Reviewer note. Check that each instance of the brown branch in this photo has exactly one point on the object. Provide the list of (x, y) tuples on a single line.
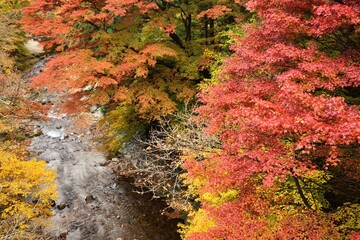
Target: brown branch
[(93, 24), (176, 39), (301, 193)]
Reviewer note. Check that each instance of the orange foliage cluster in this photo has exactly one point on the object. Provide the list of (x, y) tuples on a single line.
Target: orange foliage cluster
[(103, 54)]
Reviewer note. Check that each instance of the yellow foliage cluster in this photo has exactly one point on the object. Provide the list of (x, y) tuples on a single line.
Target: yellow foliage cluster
[(348, 217), (27, 189), (311, 185), (11, 37), (5, 127), (198, 221), (217, 199)]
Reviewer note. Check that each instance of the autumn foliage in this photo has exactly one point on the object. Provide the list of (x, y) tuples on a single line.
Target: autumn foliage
[(286, 109), (11, 37), (285, 104), (143, 56), (25, 197), (27, 187), (103, 50)]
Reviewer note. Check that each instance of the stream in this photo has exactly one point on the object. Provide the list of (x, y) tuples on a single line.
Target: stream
[(93, 203)]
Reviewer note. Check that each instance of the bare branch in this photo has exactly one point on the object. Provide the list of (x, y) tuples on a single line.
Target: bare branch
[(156, 164)]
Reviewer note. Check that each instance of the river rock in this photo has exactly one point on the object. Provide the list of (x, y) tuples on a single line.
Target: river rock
[(62, 206), (63, 235), (98, 113), (34, 47), (55, 133), (45, 101), (94, 108), (37, 132), (50, 154), (52, 203), (88, 87), (89, 199)]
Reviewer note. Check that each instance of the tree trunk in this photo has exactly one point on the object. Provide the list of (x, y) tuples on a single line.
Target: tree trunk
[(206, 28), (301, 193), (188, 27)]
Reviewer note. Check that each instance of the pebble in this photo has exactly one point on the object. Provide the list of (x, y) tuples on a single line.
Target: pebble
[(89, 199), (62, 206)]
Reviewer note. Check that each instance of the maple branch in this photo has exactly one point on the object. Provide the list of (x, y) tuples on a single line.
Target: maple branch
[(176, 39), (163, 5), (332, 189), (94, 5), (93, 24), (187, 20), (168, 64), (132, 48), (301, 193), (187, 23)]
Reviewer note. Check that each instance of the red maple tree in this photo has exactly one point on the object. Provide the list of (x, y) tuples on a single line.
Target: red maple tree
[(286, 106)]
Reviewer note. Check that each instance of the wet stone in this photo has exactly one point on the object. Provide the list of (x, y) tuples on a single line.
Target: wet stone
[(63, 235), (54, 133), (52, 203), (89, 199), (37, 132), (62, 206)]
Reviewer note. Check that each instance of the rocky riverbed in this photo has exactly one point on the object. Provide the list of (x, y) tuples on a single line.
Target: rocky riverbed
[(93, 203)]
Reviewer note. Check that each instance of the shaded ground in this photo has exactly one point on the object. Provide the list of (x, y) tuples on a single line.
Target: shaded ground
[(93, 203)]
